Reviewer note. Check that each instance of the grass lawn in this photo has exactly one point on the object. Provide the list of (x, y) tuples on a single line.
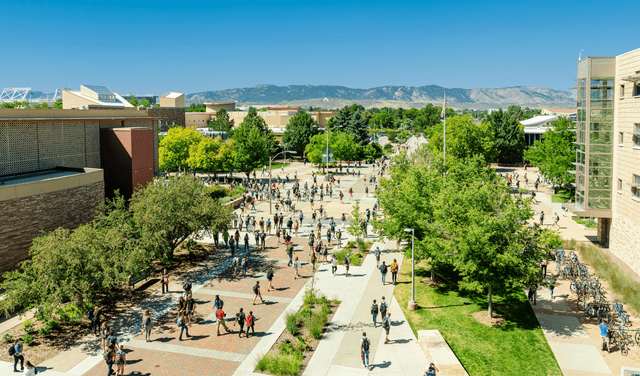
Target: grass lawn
[(563, 195), (586, 222), (517, 348), (278, 165)]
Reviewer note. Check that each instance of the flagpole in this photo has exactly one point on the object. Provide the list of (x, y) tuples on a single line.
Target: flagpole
[(444, 111)]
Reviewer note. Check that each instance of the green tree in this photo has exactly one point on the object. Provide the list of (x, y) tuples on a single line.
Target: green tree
[(382, 120), (427, 118), (554, 156), (352, 120), (250, 147), (196, 107), (509, 136), (465, 139), (42, 105), (300, 129), (58, 104), (174, 148), (253, 119), (221, 122), (211, 154), (134, 101), (168, 214), (357, 222)]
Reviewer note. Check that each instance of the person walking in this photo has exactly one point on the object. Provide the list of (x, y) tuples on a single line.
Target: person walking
[(240, 319), (164, 281), (251, 322), (296, 266), (295, 227), (263, 239), (235, 264), (386, 325), (394, 272), (339, 238), (225, 236), (191, 309), (365, 343), (346, 261), (147, 325), (120, 360), (244, 263), (109, 355), (289, 253), (186, 286), (104, 334), (334, 265), (606, 338), (383, 272), (383, 308), (431, 370), (217, 303), (256, 291), (182, 323), (17, 355), (552, 284), (220, 315), (246, 242), (374, 312), (95, 321), (350, 193), (270, 279), (377, 253)]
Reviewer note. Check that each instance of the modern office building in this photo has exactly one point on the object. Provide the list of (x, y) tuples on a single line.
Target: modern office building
[(608, 150)]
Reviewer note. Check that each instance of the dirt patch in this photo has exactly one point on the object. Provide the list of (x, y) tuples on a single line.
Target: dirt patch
[(495, 321), (45, 347), (435, 283)]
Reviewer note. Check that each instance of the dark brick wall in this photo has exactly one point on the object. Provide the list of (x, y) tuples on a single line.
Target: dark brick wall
[(22, 219), (171, 115)]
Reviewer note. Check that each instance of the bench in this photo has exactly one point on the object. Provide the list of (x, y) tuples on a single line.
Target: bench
[(143, 275)]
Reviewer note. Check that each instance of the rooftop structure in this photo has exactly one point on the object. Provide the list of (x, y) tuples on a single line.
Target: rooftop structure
[(172, 99), (92, 96)]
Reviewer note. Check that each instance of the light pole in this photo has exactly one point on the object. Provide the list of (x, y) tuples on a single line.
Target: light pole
[(284, 152), (412, 304)]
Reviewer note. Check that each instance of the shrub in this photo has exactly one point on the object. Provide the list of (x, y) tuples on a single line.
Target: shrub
[(45, 331), (28, 326), (52, 325), (292, 323), (28, 338), (281, 364), (7, 338)]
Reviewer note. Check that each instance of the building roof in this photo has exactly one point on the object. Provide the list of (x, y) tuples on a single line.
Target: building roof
[(118, 102), (284, 108), (538, 121), (172, 94), (218, 103)]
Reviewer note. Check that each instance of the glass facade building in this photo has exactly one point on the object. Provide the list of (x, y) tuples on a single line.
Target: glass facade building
[(594, 133)]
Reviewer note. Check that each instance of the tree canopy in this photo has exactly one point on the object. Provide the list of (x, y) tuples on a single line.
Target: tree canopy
[(300, 129), (250, 147), (174, 148), (508, 134), (221, 122), (465, 139), (554, 156)]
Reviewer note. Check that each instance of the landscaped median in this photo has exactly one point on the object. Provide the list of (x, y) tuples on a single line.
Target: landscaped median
[(512, 344)]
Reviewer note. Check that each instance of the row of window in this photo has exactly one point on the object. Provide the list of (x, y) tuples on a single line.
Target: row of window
[(635, 137), (635, 187), (635, 90)]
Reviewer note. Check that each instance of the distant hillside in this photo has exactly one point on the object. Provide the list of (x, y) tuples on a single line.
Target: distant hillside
[(271, 94)]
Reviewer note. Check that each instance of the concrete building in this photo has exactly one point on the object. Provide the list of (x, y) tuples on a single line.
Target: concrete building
[(561, 112), (92, 96), (56, 166), (152, 99), (535, 127), (608, 148), (172, 99)]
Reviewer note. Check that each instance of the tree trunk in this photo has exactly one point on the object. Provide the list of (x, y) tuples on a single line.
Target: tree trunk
[(490, 306), (433, 273)]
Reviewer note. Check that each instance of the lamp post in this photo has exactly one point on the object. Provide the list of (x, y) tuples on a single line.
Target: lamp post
[(284, 152), (412, 304)]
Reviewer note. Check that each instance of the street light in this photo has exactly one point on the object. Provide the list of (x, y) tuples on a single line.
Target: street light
[(271, 159), (412, 304)]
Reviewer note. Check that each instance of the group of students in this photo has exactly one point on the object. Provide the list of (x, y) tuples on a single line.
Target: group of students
[(113, 352), (15, 350), (241, 319)]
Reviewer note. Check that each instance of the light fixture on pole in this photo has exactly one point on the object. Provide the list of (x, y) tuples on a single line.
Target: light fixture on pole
[(412, 304)]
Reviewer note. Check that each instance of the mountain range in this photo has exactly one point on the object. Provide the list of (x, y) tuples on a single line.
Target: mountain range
[(456, 97)]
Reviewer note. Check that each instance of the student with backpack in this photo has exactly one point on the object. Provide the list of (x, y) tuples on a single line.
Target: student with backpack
[(147, 325), (256, 291), (182, 324), (191, 309), (334, 265), (383, 272), (251, 321), (296, 266), (383, 308), (365, 343), (374, 312), (109, 355), (246, 242), (244, 263), (270, 279), (120, 360), (386, 325), (220, 315), (394, 272), (94, 320), (112, 339), (104, 333), (240, 319), (431, 370), (16, 351), (346, 262), (186, 286), (289, 253)]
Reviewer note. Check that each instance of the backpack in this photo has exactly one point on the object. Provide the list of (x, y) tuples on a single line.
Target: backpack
[(383, 268), (255, 289), (240, 317), (12, 350), (249, 320), (270, 274), (383, 308), (186, 286), (220, 314), (243, 263), (107, 356), (374, 309), (180, 321), (119, 357), (147, 321), (385, 323), (365, 344)]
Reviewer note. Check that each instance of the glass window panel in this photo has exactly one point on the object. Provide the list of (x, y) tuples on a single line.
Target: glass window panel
[(600, 183), (603, 138), (637, 128), (600, 171), (601, 115), (601, 148), (636, 179), (601, 93), (601, 104), (582, 125), (600, 160), (599, 203), (601, 126), (599, 194)]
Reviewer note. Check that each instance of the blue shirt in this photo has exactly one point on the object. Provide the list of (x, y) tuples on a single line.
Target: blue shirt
[(18, 347), (604, 330)]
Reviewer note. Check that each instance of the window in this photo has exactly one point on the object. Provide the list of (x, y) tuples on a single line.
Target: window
[(635, 187), (636, 136), (619, 185), (621, 139), (636, 90), (621, 91)]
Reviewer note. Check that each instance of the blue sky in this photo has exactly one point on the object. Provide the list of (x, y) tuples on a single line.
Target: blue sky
[(155, 47)]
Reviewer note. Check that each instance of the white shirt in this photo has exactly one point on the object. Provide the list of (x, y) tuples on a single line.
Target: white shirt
[(297, 265), (29, 371), (334, 262)]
